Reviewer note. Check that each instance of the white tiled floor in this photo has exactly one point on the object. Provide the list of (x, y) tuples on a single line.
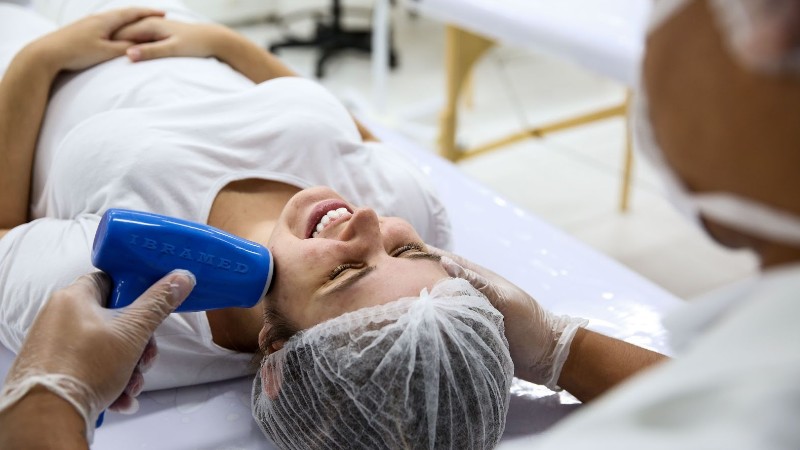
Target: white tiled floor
[(570, 179)]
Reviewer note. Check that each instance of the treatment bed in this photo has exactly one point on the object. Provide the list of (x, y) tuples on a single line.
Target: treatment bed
[(603, 37), (565, 275)]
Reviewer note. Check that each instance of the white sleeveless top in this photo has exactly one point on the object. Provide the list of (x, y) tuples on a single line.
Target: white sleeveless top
[(166, 136)]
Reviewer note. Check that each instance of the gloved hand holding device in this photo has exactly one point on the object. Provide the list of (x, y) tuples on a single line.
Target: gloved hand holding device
[(90, 356), (539, 341)]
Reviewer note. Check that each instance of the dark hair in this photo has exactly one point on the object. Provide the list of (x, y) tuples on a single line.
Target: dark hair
[(281, 329)]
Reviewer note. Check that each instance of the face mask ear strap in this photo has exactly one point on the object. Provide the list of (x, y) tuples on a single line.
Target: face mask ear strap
[(734, 211), (750, 217)]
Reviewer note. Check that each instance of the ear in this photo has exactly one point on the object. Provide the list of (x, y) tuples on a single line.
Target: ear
[(271, 380), (271, 374), (277, 345)]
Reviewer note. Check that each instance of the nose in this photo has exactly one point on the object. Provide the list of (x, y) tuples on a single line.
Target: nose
[(363, 230)]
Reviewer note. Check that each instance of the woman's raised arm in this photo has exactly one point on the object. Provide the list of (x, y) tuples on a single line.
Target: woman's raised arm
[(24, 91), (161, 38), (23, 97)]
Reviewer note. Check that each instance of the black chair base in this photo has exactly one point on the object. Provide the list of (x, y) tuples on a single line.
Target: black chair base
[(332, 39)]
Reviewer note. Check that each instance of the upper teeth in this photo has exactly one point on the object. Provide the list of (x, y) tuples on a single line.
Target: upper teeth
[(329, 217)]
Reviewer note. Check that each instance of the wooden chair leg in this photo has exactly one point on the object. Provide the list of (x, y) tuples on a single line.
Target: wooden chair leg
[(463, 50)]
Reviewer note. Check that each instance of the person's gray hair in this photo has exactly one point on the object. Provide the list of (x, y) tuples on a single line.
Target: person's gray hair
[(425, 372)]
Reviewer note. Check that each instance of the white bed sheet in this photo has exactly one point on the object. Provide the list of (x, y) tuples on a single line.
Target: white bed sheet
[(564, 274)]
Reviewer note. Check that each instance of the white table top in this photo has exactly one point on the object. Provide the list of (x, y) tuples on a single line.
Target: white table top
[(561, 272), (604, 36)]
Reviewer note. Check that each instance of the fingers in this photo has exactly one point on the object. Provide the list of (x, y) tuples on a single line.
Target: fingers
[(135, 384), (455, 259), (437, 251), (151, 308), (125, 404), (121, 17), (116, 48), (477, 280), (95, 286), (149, 355), (456, 270), (144, 52), (451, 267), (146, 30)]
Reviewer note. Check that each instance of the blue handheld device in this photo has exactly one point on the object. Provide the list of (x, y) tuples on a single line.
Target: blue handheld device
[(137, 248)]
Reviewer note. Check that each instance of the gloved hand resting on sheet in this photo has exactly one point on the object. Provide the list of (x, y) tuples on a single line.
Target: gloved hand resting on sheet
[(90, 356), (538, 340)]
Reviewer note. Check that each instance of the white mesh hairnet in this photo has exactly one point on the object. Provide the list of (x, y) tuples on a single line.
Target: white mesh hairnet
[(423, 372)]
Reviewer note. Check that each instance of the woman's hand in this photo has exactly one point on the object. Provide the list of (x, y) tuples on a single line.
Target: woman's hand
[(157, 37), (160, 38), (88, 42), (88, 355)]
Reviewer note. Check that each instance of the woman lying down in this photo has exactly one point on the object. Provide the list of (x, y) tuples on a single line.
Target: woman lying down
[(363, 341)]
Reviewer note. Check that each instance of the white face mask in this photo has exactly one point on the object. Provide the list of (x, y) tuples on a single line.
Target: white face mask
[(725, 208)]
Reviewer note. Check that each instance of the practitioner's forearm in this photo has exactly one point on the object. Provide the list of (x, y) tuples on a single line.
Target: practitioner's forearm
[(24, 91), (596, 363), (42, 420)]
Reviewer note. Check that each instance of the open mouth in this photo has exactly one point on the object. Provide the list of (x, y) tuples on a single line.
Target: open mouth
[(325, 214)]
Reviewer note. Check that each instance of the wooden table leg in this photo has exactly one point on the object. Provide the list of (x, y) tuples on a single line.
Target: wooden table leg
[(627, 167), (463, 49)]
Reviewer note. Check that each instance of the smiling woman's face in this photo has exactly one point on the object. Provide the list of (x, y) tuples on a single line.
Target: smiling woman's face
[(355, 260)]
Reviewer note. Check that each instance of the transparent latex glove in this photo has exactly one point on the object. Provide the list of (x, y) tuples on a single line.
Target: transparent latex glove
[(538, 340), (90, 356)]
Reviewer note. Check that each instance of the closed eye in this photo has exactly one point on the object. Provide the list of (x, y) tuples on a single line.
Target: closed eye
[(407, 248), (360, 271), (341, 268), (414, 250)]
